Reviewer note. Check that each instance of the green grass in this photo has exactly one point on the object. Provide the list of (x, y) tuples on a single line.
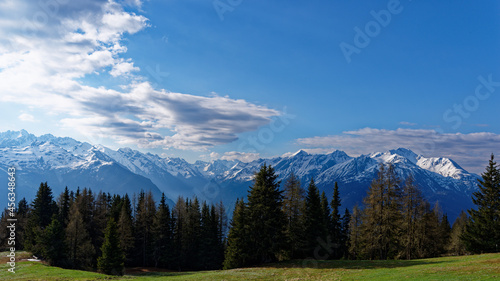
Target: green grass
[(475, 267)]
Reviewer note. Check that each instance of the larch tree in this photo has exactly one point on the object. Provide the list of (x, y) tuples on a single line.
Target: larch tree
[(293, 204)]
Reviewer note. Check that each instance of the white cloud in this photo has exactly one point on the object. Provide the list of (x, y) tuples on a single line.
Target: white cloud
[(472, 150), (241, 156), (27, 117), (43, 64), (407, 123)]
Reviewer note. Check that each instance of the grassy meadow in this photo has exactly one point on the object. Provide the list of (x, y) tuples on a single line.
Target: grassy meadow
[(474, 267)]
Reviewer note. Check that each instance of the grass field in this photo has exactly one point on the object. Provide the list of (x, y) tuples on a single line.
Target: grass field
[(476, 267)]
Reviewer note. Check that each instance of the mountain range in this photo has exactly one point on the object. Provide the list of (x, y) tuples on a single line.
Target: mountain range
[(68, 162)]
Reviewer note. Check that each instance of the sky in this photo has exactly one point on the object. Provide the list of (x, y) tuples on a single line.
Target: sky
[(239, 79)]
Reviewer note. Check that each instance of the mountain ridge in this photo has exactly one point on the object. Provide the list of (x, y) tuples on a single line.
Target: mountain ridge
[(66, 159)]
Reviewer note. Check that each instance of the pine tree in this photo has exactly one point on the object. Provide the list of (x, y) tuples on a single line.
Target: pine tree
[(293, 204), (482, 233), (456, 245), (112, 259), (266, 218), (238, 246), (336, 225)]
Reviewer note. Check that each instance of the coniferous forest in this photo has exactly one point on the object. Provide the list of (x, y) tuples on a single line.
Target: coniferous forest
[(277, 221)]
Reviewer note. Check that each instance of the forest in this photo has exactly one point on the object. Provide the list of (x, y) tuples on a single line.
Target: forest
[(276, 222)]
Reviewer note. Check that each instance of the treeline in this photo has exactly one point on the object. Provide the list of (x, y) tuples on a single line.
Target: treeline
[(394, 222), (106, 232)]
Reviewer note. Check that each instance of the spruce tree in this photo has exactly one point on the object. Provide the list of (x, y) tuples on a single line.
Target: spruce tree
[(344, 234), (482, 233), (52, 245), (336, 225), (315, 228), (163, 235), (266, 218), (112, 259), (125, 229), (238, 245), (43, 208), (64, 203)]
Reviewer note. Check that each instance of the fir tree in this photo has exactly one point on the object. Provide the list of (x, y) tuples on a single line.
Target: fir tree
[(482, 233), (112, 259)]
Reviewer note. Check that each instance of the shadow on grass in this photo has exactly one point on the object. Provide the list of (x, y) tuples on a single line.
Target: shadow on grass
[(350, 264), (152, 271)]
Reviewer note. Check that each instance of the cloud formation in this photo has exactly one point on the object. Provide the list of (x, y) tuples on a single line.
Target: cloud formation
[(472, 151), (45, 60)]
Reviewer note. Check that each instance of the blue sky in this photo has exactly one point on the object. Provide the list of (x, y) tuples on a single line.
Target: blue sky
[(237, 79)]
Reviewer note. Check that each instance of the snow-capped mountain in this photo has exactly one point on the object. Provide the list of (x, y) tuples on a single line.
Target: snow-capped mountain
[(67, 162)]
